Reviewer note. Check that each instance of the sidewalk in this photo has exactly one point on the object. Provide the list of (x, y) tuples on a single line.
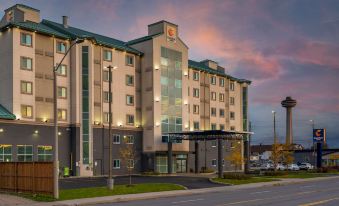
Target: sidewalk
[(6, 199), (153, 195)]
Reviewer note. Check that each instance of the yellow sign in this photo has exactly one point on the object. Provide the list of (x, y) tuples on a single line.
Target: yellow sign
[(171, 33)]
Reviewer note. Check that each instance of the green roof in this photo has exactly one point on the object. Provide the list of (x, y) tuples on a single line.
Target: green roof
[(100, 39), (36, 27), (142, 39), (202, 67), (5, 114)]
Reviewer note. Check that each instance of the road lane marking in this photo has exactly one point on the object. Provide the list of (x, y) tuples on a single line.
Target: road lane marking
[(306, 186), (319, 202), (260, 192), (245, 201), (185, 201)]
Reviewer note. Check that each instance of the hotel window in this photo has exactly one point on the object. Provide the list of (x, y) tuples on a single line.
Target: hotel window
[(213, 96), (195, 92), (129, 139), (130, 100), (214, 143), (196, 76), (61, 47), (213, 126), (26, 39), (5, 153), (106, 97), (221, 82), (129, 60), (231, 100), (26, 87), (26, 111), (188, 91), (130, 163), (196, 125), (62, 92), (129, 80), (116, 164), (213, 111), (221, 97), (130, 119), (106, 117), (116, 139), (62, 114), (221, 112), (213, 80), (25, 153), (44, 153), (164, 61), (222, 127), (195, 109), (232, 86), (214, 162), (232, 128), (232, 115), (62, 70), (107, 55), (105, 76), (26, 63)]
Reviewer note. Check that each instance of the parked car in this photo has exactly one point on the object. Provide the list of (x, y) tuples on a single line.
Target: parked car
[(293, 167), (306, 166), (267, 166), (280, 167)]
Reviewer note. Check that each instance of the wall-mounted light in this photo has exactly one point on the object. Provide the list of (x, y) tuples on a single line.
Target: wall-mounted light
[(59, 133), (156, 67), (45, 120), (185, 102), (1, 130), (119, 124), (186, 126), (96, 122), (157, 124), (185, 73), (157, 99), (36, 132)]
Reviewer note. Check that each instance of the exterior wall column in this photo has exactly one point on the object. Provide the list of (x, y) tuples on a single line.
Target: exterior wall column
[(169, 157), (196, 143), (220, 157)]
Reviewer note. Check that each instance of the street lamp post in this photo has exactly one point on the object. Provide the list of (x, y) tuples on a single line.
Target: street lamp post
[(55, 110), (274, 128)]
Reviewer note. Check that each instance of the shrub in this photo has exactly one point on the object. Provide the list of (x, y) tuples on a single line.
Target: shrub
[(275, 173), (149, 173), (206, 170), (236, 176)]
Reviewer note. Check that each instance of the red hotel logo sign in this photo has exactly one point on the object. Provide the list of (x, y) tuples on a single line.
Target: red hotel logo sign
[(171, 34)]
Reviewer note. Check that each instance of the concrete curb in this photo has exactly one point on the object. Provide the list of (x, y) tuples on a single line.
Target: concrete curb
[(153, 195)]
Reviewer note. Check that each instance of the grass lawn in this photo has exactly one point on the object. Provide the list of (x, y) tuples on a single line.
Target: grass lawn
[(240, 182), (69, 194)]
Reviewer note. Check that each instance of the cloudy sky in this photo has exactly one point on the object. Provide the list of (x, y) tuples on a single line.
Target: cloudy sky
[(287, 48)]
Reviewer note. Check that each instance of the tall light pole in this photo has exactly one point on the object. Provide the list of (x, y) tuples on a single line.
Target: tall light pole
[(314, 145), (110, 182), (55, 110), (274, 128)]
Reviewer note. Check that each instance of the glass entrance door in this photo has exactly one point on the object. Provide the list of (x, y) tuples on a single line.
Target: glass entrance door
[(181, 165)]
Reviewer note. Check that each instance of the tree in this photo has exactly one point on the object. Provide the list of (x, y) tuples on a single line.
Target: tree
[(276, 155), (236, 157), (128, 155), (287, 154)]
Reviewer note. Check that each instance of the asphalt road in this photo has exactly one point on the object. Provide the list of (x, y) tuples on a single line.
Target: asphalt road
[(188, 182), (321, 192)]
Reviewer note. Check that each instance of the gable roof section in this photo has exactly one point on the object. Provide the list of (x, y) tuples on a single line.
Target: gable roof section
[(142, 39), (35, 27), (5, 114), (23, 6), (204, 68), (100, 39)]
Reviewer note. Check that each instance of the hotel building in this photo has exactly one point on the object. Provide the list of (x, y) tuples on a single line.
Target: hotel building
[(156, 90)]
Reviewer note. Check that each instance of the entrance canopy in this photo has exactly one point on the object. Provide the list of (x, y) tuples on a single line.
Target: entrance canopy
[(208, 135)]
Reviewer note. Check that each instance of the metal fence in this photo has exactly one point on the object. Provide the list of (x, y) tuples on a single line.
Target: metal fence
[(27, 177)]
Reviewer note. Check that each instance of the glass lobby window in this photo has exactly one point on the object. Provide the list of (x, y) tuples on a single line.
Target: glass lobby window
[(107, 55), (62, 114), (232, 115), (213, 96), (213, 80), (221, 97), (196, 92), (44, 153), (161, 164), (26, 111), (129, 60), (231, 100), (129, 139), (130, 100), (61, 47), (196, 76), (25, 153), (62, 70), (26, 87), (116, 164), (130, 119), (105, 76), (232, 86), (26, 39), (213, 111), (214, 143), (116, 139), (129, 80), (221, 82), (62, 92), (26, 63), (5, 153)]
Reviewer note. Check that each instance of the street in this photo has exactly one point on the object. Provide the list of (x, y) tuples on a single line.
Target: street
[(320, 192)]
